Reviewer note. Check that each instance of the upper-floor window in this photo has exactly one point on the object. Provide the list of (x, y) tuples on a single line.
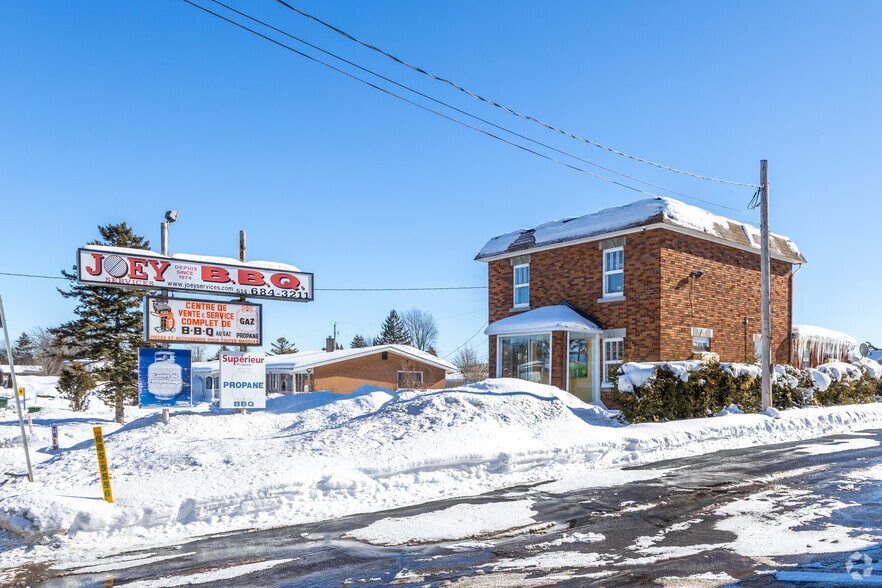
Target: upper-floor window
[(522, 285), (614, 271)]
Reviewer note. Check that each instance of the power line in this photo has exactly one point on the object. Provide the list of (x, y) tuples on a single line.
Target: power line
[(317, 289), (487, 322), (459, 122), (509, 110), (461, 111)]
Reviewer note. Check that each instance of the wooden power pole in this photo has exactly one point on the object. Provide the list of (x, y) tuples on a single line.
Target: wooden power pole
[(765, 286)]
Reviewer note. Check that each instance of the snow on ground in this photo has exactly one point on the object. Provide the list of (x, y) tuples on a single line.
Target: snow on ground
[(319, 456)]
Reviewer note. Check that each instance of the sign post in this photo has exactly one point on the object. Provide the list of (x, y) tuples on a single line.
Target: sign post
[(24, 439), (54, 437), (102, 463)]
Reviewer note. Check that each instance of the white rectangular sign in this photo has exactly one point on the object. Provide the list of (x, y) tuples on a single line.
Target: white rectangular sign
[(185, 320), (242, 379), (123, 268)]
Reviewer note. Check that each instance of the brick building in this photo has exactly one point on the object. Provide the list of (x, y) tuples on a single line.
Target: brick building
[(654, 280), (341, 371)]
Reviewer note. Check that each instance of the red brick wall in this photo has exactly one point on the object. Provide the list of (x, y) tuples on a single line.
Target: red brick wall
[(660, 304), (726, 293)]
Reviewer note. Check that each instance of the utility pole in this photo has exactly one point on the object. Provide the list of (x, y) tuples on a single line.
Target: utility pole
[(24, 439), (242, 348), (170, 217), (765, 286)]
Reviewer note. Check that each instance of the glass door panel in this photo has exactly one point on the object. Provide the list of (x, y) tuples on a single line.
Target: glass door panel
[(581, 380)]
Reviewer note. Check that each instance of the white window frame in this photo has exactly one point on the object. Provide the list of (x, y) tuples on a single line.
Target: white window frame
[(398, 379), (694, 346), (607, 362), (607, 272), (509, 335), (516, 286)]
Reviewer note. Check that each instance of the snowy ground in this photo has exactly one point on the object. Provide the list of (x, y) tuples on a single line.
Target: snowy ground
[(320, 456)]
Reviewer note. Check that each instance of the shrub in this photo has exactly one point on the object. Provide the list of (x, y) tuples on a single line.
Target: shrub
[(75, 383)]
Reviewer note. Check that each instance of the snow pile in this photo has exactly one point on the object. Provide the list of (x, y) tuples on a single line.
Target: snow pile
[(316, 456), (840, 372), (821, 343)]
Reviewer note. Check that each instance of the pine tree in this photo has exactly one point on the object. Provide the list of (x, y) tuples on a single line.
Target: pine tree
[(216, 356), (282, 346), (75, 383), (393, 331), (109, 325), (358, 342), (23, 352)]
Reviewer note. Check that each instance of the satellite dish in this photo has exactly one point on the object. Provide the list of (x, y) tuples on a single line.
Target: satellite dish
[(865, 349)]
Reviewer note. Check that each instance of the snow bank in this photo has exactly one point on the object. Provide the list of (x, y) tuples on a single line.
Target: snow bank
[(316, 456)]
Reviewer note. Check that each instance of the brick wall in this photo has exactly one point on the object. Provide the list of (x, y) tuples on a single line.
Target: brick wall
[(345, 376), (661, 304)]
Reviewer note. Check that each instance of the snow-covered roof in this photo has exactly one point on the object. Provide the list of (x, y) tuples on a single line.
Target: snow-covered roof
[(22, 369), (560, 317), (821, 342), (299, 362), (269, 265), (651, 211)]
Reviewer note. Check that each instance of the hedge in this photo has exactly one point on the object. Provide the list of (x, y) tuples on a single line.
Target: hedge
[(695, 389)]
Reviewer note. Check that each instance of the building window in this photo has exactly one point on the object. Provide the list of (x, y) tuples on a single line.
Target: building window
[(700, 344), (526, 357), (614, 272), (410, 380), (209, 383), (806, 358), (613, 355), (522, 285)]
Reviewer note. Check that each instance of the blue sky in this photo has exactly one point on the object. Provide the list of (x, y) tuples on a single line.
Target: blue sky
[(118, 111)]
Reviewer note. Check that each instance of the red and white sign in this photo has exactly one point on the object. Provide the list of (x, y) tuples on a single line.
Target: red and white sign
[(54, 437), (126, 269), (242, 379), (184, 320)]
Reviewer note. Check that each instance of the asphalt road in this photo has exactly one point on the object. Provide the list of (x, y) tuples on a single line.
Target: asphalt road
[(663, 530)]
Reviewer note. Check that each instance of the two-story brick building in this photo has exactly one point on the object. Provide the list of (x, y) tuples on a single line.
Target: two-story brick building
[(654, 280)]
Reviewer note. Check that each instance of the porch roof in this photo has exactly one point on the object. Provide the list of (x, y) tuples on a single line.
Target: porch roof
[(543, 320)]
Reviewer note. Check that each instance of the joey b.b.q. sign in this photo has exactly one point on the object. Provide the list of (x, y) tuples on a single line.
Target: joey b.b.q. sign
[(127, 268)]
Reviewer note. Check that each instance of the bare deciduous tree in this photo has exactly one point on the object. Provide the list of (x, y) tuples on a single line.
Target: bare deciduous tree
[(422, 328), (471, 366)]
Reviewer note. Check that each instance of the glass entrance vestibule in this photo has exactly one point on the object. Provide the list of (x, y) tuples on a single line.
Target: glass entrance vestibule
[(550, 345)]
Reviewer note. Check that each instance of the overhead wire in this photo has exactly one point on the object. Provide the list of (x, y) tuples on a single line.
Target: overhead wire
[(487, 322), (461, 111), (423, 107), (509, 110)]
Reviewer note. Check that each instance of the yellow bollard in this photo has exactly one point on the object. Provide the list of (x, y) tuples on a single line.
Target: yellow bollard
[(102, 463)]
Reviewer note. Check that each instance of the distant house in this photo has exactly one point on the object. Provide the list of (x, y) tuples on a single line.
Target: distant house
[(570, 300), (387, 366), (815, 345), (20, 370)]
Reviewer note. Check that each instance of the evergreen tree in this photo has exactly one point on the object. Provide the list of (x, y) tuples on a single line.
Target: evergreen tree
[(357, 342), (23, 352), (282, 346), (75, 383), (393, 331), (109, 325), (216, 356)]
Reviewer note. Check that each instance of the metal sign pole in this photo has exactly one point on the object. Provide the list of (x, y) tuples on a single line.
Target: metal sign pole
[(24, 439)]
